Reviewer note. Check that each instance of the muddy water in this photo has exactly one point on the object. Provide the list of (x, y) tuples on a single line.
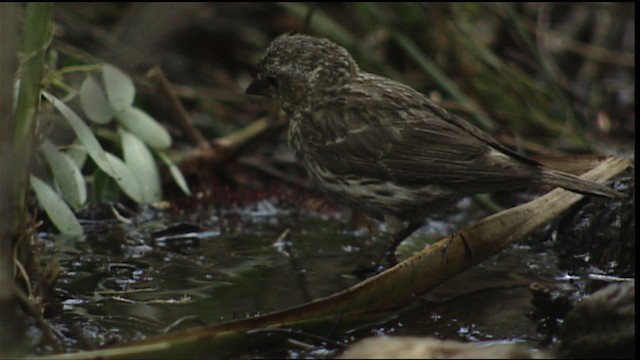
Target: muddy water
[(169, 272)]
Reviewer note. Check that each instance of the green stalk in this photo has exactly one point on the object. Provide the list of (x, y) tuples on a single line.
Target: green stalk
[(16, 139), (10, 332), (36, 41), (37, 36)]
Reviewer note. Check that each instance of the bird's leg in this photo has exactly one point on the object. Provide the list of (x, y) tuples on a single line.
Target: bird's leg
[(399, 234)]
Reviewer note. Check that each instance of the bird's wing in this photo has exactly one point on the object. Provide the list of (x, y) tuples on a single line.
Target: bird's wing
[(401, 136)]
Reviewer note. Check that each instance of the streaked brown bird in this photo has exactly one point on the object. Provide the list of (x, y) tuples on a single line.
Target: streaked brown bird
[(380, 146)]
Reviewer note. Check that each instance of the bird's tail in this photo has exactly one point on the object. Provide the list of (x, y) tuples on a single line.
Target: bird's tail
[(577, 184)]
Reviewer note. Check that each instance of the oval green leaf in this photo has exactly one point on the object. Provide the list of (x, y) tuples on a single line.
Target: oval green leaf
[(144, 127), (66, 174), (125, 179), (84, 134), (105, 189), (77, 153), (175, 173), (141, 163), (119, 86), (94, 102), (57, 210)]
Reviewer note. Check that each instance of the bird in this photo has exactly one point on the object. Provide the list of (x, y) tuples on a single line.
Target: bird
[(380, 146)]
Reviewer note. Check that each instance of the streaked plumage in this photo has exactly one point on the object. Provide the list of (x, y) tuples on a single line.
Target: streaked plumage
[(380, 146)]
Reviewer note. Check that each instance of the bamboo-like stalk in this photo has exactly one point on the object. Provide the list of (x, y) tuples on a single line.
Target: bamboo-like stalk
[(36, 41), (8, 218), (16, 142), (37, 36)]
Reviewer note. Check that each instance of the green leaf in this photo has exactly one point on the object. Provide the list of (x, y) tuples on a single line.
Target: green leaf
[(94, 102), (141, 163), (126, 179), (120, 89), (84, 134), (105, 189), (67, 175), (57, 210), (77, 153), (144, 127), (175, 173)]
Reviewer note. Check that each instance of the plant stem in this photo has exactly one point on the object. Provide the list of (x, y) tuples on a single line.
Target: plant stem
[(16, 142)]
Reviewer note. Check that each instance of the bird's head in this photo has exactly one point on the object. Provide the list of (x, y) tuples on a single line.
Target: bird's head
[(296, 66)]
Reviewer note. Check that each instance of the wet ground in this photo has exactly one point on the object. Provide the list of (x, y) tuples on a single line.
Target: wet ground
[(169, 271)]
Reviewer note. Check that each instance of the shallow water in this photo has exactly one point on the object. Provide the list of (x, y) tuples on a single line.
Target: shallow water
[(164, 273)]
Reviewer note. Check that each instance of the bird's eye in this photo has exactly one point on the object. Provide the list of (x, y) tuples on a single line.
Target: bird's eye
[(272, 81)]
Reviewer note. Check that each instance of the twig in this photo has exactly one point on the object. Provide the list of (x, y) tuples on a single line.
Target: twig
[(36, 311), (290, 333), (182, 320), (270, 170), (163, 87), (281, 238), (227, 147)]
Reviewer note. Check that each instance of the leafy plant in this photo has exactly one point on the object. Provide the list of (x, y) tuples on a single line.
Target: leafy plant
[(137, 135)]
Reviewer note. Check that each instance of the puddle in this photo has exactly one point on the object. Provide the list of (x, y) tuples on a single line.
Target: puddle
[(167, 272)]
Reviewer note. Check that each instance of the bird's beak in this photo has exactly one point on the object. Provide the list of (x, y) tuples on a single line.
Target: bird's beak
[(258, 87)]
